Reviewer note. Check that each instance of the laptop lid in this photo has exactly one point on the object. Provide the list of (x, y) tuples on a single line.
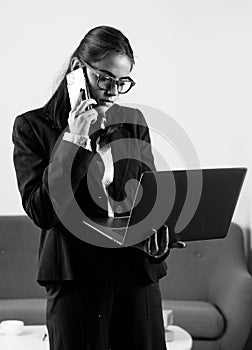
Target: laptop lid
[(194, 204)]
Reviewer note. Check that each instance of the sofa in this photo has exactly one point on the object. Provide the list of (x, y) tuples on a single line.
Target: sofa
[(209, 288), (20, 295), (208, 285)]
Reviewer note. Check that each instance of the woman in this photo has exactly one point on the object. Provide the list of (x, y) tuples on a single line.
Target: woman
[(98, 297)]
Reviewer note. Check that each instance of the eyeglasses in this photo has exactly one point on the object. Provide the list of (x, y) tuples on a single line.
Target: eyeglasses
[(105, 82)]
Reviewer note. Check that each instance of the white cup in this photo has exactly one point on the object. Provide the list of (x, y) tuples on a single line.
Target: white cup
[(168, 318), (11, 327)]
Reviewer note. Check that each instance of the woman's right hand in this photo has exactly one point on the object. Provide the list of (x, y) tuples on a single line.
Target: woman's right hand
[(80, 119)]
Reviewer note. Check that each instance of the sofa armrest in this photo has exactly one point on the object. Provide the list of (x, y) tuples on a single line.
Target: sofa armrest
[(232, 295), (31, 311)]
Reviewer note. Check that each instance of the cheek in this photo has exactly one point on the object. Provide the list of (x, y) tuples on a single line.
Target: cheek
[(93, 92)]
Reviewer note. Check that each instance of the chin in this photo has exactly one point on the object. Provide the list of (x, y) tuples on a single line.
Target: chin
[(102, 109)]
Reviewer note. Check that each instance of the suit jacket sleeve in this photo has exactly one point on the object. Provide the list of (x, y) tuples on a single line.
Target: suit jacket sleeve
[(41, 178)]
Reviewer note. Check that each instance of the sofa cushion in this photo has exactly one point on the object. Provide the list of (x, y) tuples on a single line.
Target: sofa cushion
[(31, 311), (19, 247), (201, 319)]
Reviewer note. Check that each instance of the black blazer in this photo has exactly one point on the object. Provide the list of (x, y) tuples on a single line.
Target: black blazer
[(54, 184)]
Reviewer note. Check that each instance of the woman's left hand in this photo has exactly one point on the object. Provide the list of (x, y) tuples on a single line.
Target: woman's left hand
[(157, 244)]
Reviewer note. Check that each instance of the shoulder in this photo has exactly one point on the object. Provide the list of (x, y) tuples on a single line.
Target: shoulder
[(126, 114), (31, 119), (36, 120), (35, 127)]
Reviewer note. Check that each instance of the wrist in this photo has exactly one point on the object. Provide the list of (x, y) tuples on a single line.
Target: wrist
[(79, 140)]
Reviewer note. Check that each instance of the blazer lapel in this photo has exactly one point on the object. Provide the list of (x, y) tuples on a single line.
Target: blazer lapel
[(120, 148)]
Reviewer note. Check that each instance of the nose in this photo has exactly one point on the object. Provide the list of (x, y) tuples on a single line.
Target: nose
[(113, 90)]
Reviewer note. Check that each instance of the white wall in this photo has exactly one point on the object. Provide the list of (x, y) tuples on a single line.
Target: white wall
[(193, 62)]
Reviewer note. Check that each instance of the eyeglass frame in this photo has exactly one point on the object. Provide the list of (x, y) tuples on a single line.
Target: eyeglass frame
[(115, 81)]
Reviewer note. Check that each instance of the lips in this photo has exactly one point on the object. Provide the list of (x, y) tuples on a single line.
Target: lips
[(106, 102)]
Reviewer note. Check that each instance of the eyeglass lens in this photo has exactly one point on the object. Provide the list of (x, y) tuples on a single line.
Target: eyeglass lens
[(106, 83)]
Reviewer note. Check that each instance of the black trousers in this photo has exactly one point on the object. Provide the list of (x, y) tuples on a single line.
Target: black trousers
[(116, 313)]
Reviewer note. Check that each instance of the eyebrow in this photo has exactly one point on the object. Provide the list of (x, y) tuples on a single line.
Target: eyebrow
[(110, 74)]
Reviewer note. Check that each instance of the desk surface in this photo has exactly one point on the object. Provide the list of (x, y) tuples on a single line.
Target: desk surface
[(32, 339), (182, 339)]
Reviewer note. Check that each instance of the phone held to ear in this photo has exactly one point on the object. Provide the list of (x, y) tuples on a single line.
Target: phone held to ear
[(76, 82)]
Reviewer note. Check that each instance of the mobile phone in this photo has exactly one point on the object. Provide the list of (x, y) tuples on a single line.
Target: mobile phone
[(77, 82)]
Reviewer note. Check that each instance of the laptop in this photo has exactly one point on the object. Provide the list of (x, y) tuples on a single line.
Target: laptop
[(194, 204)]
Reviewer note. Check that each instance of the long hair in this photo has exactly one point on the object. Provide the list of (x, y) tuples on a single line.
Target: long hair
[(95, 46)]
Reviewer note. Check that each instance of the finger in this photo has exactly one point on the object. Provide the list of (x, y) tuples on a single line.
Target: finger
[(70, 118), (154, 243), (81, 124), (156, 248), (148, 242), (163, 238), (83, 105), (177, 244), (151, 247), (89, 117), (75, 108)]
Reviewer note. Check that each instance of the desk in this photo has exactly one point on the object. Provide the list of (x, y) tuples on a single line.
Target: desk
[(182, 339), (30, 339)]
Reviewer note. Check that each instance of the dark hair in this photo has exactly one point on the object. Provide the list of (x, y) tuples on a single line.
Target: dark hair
[(95, 46)]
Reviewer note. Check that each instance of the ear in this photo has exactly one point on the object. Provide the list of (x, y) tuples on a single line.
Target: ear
[(75, 63)]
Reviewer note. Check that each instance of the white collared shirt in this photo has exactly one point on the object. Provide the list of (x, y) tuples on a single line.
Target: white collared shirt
[(108, 176)]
